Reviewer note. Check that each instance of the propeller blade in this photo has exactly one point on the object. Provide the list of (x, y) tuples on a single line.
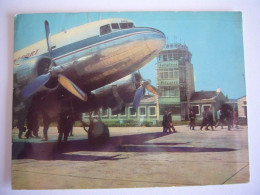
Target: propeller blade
[(138, 96), (48, 35), (35, 85), (72, 88), (152, 89)]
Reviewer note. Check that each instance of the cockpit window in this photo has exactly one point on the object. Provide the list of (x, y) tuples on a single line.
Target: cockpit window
[(126, 25), (105, 29), (115, 26)]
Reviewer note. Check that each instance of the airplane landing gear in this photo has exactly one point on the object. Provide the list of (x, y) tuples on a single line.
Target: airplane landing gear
[(98, 132)]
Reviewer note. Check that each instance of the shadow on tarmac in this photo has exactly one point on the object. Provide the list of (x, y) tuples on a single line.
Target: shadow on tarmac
[(125, 143)]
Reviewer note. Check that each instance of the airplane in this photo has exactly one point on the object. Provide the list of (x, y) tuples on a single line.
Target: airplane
[(83, 69)]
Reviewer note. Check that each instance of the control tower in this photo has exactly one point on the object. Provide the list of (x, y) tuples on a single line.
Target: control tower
[(175, 80)]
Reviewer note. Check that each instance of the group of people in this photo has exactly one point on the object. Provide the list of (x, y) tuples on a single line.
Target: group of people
[(230, 116), (207, 119), (225, 113), (167, 122), (65, 126)]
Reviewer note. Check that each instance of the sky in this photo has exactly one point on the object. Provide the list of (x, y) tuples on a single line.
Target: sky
[(214, 38)]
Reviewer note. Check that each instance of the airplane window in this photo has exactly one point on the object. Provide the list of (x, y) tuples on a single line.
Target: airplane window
[(126, 25), (105, 29), (130, 25), (115, 26)]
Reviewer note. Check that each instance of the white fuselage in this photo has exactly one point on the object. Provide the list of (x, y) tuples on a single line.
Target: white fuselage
[(95, 54)]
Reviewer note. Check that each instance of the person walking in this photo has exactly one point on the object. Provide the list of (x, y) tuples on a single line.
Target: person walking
[(204, 118), (229, 118), (219, 119), (209, 119), (170, 122), (165, 122), (192, 117)]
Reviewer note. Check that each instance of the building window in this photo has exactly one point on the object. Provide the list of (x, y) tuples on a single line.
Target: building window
[(160, 58), (113, 113), (160, 75), (170, 57), (176, 109), (165, 58), (196, 109), (123, 113), (176, 73), (152, 111), (206, 107), (168, 73), (168, 91), (142, 111), (132, 111), (105, 113)]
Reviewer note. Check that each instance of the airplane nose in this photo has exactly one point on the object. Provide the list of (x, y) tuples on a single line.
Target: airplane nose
[(155, 40)]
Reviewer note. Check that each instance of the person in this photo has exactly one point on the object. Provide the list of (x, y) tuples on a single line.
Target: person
[(165, 121), (170, 124), (219, 119), (32, 125), (65, 125), (21, 115), (229, 118), (192, 117), (209, 119), (204, 118), (32, 121), (235, 121)]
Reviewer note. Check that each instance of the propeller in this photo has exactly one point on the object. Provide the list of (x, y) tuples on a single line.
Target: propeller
[(48, 36), (138, 96), (72, 88), (145, 84), (35, 85)]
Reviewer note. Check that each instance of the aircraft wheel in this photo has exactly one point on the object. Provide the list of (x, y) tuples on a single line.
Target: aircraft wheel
[(98, 133)]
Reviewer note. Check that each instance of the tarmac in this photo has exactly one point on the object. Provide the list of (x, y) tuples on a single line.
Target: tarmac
[(133, 157)]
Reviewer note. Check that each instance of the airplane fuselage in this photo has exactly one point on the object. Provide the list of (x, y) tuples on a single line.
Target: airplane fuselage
[(98, 53)]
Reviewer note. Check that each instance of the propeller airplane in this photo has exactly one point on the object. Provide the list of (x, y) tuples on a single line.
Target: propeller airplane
[(83, 69)]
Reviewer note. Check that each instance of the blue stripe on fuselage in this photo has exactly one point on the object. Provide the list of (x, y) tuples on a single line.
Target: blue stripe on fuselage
[(93, 40)]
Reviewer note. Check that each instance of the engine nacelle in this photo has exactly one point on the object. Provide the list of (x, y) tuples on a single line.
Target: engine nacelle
[(27, 69), (118, 94)]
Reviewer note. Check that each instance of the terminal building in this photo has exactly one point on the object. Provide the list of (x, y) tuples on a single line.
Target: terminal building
[(175, 82)]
